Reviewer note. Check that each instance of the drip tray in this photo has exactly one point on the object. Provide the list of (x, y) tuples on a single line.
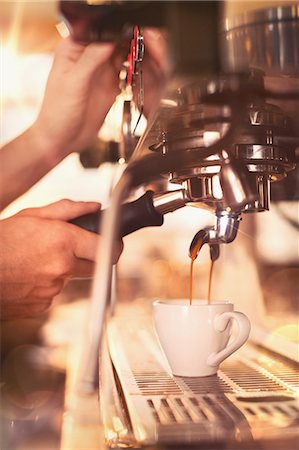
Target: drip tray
[(239, 397), (245, 403)]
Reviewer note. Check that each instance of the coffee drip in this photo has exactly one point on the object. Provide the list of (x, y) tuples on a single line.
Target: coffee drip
[(193, 255), (210, 281)]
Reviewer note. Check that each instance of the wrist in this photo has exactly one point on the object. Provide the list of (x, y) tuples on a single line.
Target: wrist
[(45, 146)]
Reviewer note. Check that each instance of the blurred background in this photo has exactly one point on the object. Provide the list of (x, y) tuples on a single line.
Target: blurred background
[(155, 262)]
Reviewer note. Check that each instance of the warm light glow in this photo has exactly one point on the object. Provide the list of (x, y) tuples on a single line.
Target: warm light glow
[(285, 337), (11, 68), (118, 426), (217, 191), (210, 137), (63, 29), (112, 127), (110, 435), (296, 391), (23, 77), (140, 432), (289, 331)]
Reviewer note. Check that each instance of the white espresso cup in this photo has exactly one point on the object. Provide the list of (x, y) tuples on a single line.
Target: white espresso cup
[(195, 338)]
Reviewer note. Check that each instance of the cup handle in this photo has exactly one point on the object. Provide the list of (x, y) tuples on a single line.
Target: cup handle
[(220, 323)]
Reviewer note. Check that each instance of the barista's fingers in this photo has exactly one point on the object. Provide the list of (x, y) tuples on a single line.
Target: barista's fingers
[(87, 246), (92, 57), (62, 210), (25, 310), (83, 269), (67, 209), (37, 306), (84, 243), (117, 251), (43, 292), (68, 51), (119, 55)]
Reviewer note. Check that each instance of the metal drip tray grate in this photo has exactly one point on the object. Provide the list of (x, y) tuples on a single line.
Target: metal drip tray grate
[(270, 411), (211, 409), (153, 383), (205, 385), (286, 372), (234, 376), (204, 410), (249, 379), (238, 394)]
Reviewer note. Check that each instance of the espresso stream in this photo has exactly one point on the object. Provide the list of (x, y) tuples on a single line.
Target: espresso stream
[(193, 257)]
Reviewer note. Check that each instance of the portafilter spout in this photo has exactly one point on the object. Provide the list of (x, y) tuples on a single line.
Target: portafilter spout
[(224, 232), (201, 238)]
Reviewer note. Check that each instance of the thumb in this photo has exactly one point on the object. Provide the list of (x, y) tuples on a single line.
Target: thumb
[(62, 210)]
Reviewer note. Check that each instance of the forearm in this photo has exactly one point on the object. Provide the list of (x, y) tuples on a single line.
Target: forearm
[(23, 162), (81, 88)]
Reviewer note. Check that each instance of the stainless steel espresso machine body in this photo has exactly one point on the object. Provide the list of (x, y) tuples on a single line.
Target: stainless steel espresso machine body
[(225, 130), (217, 88)]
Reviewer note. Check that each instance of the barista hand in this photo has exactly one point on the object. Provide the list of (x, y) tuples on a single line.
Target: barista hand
[(39, 252), (81, 88)]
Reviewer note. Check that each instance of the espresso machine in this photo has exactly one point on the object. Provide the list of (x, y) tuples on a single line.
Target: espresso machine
[(225, 130)]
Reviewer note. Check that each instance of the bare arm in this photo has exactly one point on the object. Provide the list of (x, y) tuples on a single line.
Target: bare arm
[(23, 162), (81, 88)]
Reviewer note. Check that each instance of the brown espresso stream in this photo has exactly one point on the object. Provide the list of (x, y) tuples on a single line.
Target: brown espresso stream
[(193, 257)]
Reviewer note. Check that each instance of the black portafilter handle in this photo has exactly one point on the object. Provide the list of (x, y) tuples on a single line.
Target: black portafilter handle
[(133, 216)]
